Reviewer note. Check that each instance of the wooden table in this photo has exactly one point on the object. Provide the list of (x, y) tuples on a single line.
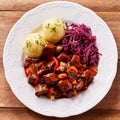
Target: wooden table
[(13, 109)]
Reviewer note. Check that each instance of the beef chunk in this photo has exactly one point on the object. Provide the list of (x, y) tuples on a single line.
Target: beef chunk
[(64, 85), (75, 61), (31, 79), (61, 69), (68, 94), (41, 71), (48, 50), (63, 57), (50, 66), (40, 68), (39, 65), (91, 78), (50, 78), (79, 85), (72, 75), (29, 61), (58, 93), (40, 89), (87, 75)]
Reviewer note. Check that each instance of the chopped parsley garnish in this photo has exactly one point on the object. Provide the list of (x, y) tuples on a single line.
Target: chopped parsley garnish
[(48, 25), (63, 22), (42, 43), (57, 24), (28, 44), (37, 41), (53, 29), (40, 37), (64, 28), (58, 20)]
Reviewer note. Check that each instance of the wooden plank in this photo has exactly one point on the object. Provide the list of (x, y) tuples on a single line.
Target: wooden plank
[(8, 18), (99, 5), (109, 16), (18, 114), (111, 100)]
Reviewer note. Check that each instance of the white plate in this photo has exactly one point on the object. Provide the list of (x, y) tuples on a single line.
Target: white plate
[(13, 59)]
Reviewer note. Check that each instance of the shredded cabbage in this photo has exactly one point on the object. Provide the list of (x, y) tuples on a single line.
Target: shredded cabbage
[(79, 40)]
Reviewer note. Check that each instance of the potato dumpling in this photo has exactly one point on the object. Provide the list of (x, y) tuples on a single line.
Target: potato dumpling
[(53, 30), (33, 45)]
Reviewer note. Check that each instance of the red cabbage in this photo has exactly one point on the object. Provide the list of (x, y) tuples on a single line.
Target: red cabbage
[(79, 40)]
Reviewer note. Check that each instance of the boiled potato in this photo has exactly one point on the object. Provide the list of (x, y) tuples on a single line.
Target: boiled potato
[(53, 30), (33, 45)]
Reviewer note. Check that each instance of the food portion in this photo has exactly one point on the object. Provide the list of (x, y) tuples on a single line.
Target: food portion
[(79, 40), (53, 30), (61, 75), (65, 65), (33, 45)]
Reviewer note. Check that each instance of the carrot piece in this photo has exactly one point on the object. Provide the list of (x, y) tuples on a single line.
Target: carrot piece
[(94, 70), (74, 92), (74, 82), (29, 71), (72, 69), (52, 97), (62, 76)]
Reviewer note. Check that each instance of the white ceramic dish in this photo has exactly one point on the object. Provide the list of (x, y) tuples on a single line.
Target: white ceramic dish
[(13, 59)]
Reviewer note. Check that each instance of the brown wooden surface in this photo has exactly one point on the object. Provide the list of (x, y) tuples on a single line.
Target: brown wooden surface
[(11, 108)]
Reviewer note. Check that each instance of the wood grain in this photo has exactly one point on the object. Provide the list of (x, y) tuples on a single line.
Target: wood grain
[(99, 5), (8, 19), (18, 114)]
